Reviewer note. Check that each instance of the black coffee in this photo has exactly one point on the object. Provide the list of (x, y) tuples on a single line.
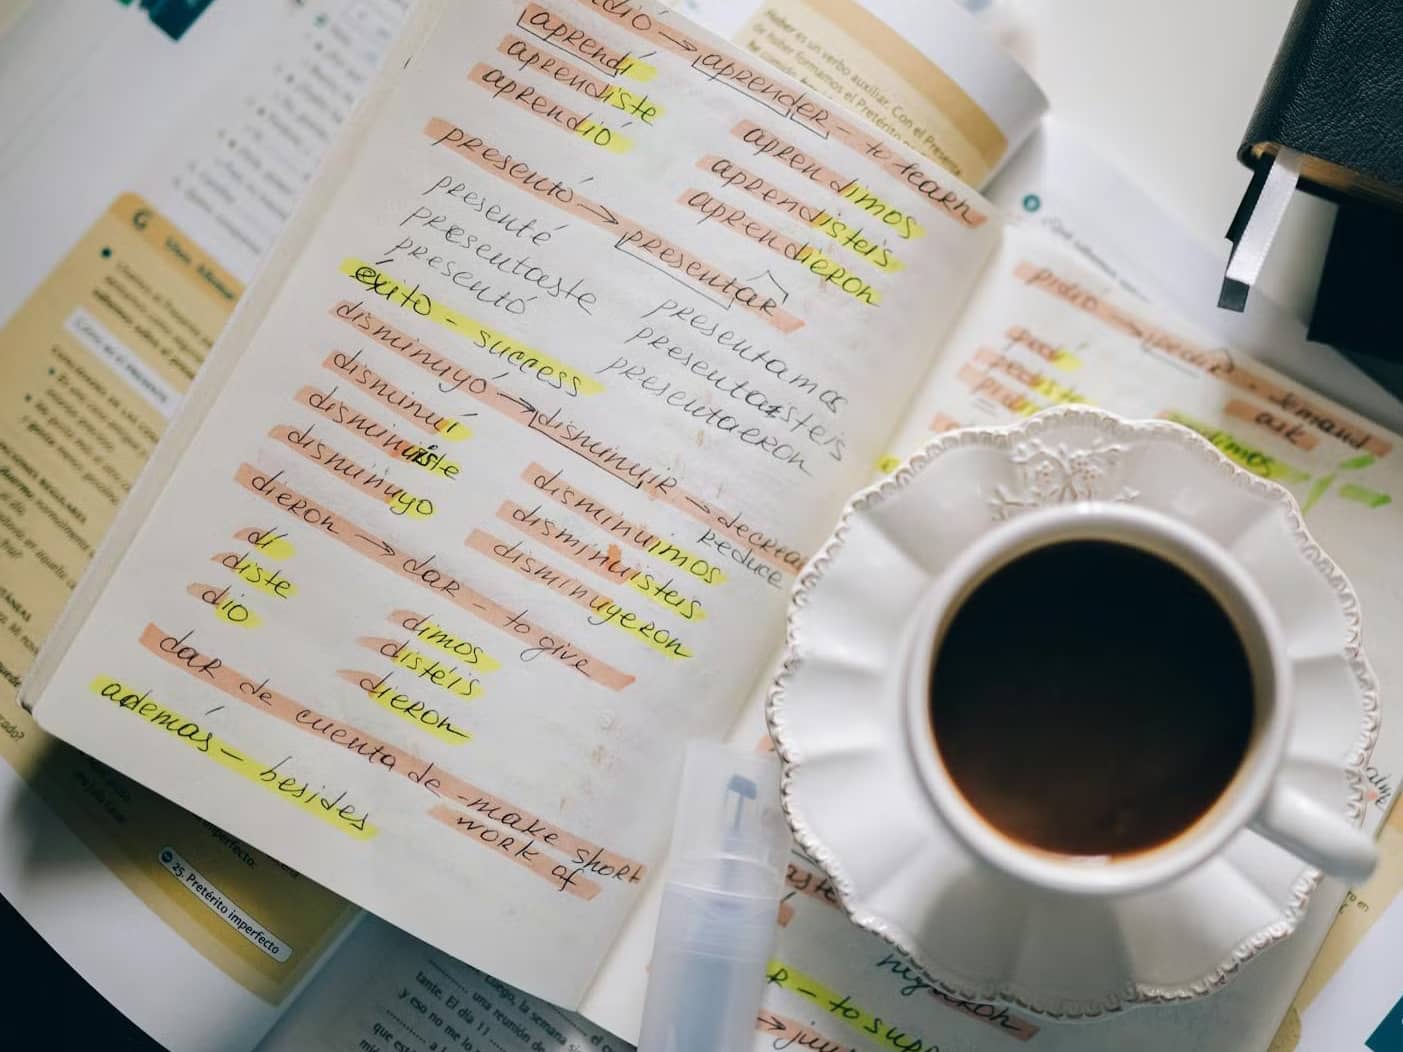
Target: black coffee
[(1091, 699)]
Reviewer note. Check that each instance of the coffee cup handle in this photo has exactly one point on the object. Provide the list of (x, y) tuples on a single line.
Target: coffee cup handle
[(1315, 834)]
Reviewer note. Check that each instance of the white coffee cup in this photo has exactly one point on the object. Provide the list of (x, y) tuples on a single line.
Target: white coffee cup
[(1255, 797)]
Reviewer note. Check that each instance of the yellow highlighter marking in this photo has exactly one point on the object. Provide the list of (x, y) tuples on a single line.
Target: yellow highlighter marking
[(332, 811)]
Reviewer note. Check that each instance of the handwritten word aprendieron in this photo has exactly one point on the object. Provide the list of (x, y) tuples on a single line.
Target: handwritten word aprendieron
[(336, 811), (1333, 422), (378, 753), (630, 237), (423, 571)]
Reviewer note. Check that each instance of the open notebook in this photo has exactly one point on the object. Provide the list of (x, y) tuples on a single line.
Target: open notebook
[(492, 494)]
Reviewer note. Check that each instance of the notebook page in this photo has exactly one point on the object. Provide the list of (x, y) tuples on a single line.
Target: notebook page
[(504, 498)]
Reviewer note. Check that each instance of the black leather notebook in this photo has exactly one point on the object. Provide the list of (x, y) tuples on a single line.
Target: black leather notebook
[(1335, 95)]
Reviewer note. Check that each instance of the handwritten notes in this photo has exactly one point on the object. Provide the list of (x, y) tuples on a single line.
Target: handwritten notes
[(504, 498)]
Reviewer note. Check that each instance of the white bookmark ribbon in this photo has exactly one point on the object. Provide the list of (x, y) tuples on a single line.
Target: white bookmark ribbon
[(1250, 252)]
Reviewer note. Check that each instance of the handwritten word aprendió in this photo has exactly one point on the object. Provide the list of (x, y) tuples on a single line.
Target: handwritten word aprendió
[(502, 85), (336, 811), (383, 755)]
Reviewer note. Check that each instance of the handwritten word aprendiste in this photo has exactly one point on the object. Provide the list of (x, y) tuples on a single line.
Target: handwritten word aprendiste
[(377, 752), (337, 811), (571, 435), (423, 570), (1332, 421), (631, 238), (528, 56)]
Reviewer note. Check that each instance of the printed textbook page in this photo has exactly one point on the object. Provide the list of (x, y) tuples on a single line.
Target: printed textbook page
[(928, 74), (109, 303), (501, 500)]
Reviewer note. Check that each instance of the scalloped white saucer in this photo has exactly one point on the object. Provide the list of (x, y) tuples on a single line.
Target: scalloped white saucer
[(857, 808)]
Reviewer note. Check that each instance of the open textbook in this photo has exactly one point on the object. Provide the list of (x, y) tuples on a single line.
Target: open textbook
[(492, 495), (149, 156)]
